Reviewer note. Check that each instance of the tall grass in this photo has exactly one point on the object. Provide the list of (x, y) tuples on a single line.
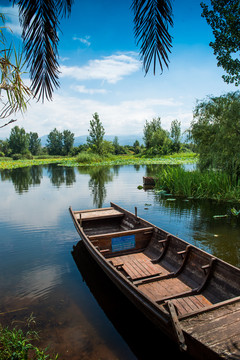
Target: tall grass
[(86, 157), (197, 184)]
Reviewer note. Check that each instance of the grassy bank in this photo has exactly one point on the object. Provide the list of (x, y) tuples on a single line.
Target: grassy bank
[(201, 185), (88, 159)]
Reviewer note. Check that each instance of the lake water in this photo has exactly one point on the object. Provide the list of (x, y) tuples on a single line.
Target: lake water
[(79, 313)]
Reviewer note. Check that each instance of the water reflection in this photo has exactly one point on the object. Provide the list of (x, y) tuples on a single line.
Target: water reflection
[(99, 176), (37, 271), (23, 178), (61, 175), (219, 236)]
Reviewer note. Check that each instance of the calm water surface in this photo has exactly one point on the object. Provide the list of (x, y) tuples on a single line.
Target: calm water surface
[(80, 314)]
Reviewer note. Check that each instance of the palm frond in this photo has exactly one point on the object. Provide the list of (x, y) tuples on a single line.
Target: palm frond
[(151, 19), (40, 23)]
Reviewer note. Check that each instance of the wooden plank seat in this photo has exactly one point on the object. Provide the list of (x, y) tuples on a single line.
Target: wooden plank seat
[(98, 214), (144, 230)]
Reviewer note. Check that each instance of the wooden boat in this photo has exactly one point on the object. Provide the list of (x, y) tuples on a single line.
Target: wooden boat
[(189, 294)]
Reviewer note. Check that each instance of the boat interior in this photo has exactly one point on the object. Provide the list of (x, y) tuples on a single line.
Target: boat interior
[(162, 266)]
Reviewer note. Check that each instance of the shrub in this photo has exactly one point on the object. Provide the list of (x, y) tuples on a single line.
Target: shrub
[(88, 157), (17, 156)]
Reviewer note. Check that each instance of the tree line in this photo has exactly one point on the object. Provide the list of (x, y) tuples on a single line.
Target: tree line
[(214, 134), (157, 141)]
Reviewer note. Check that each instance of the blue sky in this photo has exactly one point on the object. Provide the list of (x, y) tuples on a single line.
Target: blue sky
[(101, 71)]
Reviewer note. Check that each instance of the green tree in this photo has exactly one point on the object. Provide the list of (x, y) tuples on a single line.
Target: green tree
[(215, 130), (54, 142), (224, 19), (116, 145), (96, 134), (175, 133), (40, 23), (68, 140), (4, 147), (34, 143), (18, 140), (136, 147), (156, 139)]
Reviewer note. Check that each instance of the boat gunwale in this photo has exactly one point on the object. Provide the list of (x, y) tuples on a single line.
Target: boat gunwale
[(158, 314), (97, 254)]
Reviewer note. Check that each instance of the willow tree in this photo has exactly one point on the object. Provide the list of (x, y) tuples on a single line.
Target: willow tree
[(215, 130)]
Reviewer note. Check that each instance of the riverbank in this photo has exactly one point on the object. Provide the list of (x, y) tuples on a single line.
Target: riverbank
[(175, 159)]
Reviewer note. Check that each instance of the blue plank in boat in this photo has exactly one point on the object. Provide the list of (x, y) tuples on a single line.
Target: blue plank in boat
[(123, 243)]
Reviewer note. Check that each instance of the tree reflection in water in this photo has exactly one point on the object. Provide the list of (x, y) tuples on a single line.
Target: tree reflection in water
[(99, 176), (60, 175), (23, 178)]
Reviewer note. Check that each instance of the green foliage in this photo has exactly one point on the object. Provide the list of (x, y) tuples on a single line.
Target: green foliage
[(54, 142), (224, 19), (198, 184), (116, 146), (18, 140), (15, 345), (136, 147), (68, 140), (86, 157), (175, 132), (11, 83), (96, 134), (60, 143), (156, 139), (216, 130), (4, 147), (34, 143)]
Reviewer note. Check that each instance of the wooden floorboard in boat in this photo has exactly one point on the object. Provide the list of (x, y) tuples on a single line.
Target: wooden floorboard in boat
[(160, 289), (138, 265), (188, 304)]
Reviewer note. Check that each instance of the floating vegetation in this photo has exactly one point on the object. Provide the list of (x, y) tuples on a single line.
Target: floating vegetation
[(84, 159), (220, 216)]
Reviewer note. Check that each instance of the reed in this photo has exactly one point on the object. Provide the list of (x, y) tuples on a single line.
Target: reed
[(201, 185)]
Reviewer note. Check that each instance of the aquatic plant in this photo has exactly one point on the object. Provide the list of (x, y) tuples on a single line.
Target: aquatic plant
[(202, 185), (91, 159)]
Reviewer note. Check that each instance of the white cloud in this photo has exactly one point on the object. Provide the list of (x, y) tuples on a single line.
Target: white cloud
[(122, 117), (84, 40), (83, 90), (110, 68), (12, 19)]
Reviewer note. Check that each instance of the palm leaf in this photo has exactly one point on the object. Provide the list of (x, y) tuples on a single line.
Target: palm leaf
[(151, 19), (40, 23)]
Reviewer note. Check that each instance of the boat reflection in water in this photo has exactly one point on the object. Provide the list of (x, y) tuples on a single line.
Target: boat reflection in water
[(145, 340)]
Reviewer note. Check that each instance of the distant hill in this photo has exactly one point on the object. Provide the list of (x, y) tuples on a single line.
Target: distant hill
[(122, 139)]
